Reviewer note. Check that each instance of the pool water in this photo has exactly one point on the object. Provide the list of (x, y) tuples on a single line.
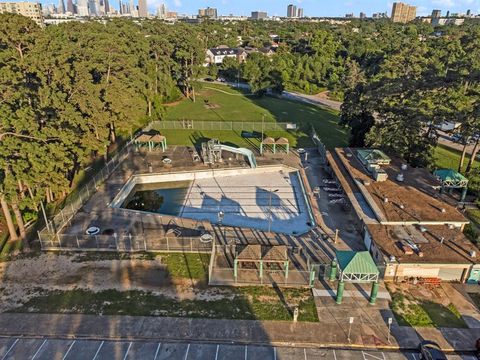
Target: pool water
[(165, 198)]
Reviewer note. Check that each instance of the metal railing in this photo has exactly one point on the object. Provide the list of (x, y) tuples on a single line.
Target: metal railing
[(76, 201), (218, 125), (123, 243)]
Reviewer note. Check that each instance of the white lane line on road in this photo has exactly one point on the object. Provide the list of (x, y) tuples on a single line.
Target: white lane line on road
[(246, 352), (216, 354), (414, 357), (98, 350), (274, 353), (373, 356), (186, 354), (126, 354), (156, 352), (69, 348), (305, 353), (383, 354), (38, 350), (334, 354), (10, 349)]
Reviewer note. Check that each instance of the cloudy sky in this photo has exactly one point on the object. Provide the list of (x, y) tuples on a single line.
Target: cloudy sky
[(314, 7)]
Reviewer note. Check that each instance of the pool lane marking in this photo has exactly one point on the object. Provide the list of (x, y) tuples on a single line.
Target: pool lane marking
[(98, 350), (216, 354), (126, 354), (156, 352), (10, 349), (186, 354), (38, 350), (69, 348)]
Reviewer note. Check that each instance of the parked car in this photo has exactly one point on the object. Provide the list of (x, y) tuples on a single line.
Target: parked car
[(459, 138), (430, 350), (209, 79)]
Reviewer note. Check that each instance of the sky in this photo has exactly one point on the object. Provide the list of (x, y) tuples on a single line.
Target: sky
[(315, 7), (311, 7)]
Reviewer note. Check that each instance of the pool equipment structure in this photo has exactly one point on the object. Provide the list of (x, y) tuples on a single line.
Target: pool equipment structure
[(212, 152)]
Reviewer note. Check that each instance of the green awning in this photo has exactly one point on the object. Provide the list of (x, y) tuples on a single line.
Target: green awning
[(356, 262)]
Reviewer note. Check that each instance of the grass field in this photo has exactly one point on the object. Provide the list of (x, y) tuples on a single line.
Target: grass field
[(449, 158), (221, 103), (252, 303), (421, 313)]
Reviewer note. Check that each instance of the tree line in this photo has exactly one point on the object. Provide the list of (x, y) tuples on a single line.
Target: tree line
[(70, 93)]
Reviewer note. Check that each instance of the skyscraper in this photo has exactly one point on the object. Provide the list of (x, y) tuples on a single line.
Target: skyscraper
[(132, 11), (291, 11), (82, 7), (61, 7), (162, 11), (70, 7), (300, 12), (106, 6), (142, 8), (403, 13)]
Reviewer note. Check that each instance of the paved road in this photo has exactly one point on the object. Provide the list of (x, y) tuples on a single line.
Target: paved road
[(61, 349)]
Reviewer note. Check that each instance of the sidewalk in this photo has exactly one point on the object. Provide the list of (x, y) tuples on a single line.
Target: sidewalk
[(275, 333)]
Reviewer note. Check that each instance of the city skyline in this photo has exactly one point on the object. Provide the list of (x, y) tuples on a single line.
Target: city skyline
[(311, 7)]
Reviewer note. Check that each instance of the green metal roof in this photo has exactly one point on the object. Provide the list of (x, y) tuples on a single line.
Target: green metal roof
[(356, 262), (373, 156), (449, 175)]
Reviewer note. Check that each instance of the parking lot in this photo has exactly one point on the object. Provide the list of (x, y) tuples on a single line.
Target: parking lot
[(61, 349)]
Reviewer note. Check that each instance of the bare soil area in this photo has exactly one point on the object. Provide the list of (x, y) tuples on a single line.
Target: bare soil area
[(23, 279)]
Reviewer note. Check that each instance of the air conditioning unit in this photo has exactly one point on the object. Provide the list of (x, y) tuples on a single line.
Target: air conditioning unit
[(380, 175)]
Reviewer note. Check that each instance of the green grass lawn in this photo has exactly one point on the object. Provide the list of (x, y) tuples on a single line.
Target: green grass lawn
[(237, 106), (423, 313), (448, 158)]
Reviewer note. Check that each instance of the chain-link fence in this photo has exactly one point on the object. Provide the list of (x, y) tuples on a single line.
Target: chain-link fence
[(124, 243), (220, 125), (75, 201)]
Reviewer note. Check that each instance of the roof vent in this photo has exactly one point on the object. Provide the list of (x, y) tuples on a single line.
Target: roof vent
[(404, 167), (366, 182), (473, 253), (385, 200), (423, 229), (451, 226), (392, 258), (400, 177), (401, 206), (443, 210)]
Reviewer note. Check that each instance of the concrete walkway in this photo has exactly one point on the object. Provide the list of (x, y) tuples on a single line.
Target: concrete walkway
[(276, 333)]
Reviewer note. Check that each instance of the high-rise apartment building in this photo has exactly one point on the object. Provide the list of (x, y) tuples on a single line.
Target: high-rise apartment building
[(82, 8), (363, 15), (208, 12), (258, 15), (300, 12), (403, 13), (142, 8), (291, 11), (29, 9)]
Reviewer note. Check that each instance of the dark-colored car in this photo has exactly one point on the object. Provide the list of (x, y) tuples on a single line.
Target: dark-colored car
[(209, 79), (430, 350)]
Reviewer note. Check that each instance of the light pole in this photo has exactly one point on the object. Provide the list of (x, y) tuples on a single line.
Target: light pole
[(270, 210), (220, 217)]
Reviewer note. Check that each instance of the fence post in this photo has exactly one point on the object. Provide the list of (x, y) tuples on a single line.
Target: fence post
[(191, 244), (40, 238), (168, 245), (144, 243), (116, 241)]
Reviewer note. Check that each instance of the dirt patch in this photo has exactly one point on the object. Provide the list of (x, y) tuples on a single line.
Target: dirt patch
[(210, 106), (24, 278)]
